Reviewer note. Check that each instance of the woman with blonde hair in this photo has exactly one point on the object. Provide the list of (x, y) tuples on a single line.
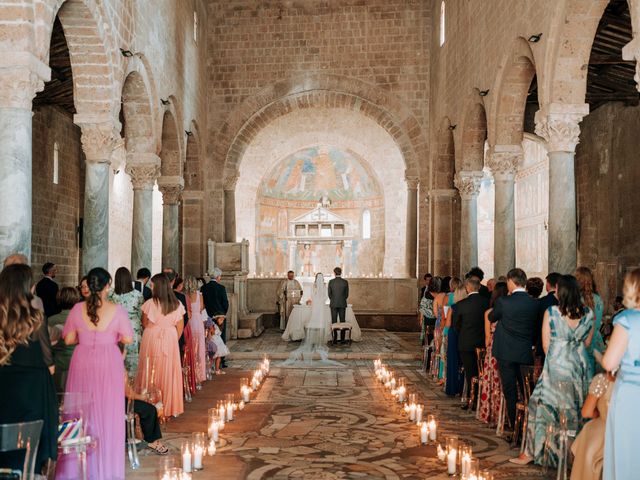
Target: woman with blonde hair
[(197, 316), (592, 300)]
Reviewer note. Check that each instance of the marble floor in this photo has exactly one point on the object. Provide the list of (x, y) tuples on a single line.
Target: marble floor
[(330, 423)]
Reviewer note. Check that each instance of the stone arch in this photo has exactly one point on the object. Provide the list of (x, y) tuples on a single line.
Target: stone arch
[(170, 156), (512, 88), (444, 166), (137, 115), (325, 91), (474, 135), (139, 65), (192, 166)]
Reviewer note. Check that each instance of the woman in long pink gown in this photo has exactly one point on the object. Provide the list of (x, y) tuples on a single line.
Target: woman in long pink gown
[(196, 321), (163, 322), (96, 371)]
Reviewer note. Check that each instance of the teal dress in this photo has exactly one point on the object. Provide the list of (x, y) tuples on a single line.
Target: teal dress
[(622, 437), (598, 342), (563, 385)]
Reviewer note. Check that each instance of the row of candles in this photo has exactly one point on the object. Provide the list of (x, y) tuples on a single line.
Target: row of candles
[(193, 451), (457, 456)]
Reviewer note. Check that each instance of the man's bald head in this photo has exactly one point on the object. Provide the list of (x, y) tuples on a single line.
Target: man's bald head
[(16, 259)]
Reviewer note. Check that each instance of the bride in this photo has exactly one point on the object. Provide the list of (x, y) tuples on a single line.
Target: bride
[(318, 330)]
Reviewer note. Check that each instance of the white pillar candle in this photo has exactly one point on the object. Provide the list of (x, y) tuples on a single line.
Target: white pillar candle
[(424, 433), (197, 457), (465, 464), (401, 391), (186, 461), (418, 413), (245, 394), (412, 412), (212, 448), (441, 453), (222, 413), (241, 405), (214, 431), (452, 456), (433, 426), (230, 411)]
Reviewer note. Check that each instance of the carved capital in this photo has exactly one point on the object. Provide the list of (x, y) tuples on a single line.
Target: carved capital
[(468, 183), (171, 188), (230, 182), (559, 125), (98, 141), (504, 160), (144, 175), (412, 182), (22, 75)]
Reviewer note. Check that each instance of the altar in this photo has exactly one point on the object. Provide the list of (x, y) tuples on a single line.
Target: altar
[(301, 315)]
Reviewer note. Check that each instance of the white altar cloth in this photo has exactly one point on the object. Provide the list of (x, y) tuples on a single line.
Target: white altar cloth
[(301, 315)]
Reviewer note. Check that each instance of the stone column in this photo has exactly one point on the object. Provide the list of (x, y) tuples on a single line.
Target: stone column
[(441, 202), (503, 161), (468, 184), (143, 177), (18, 86), (230, 209), (98, 142), (171, 188), (559, 126), (412, 226)]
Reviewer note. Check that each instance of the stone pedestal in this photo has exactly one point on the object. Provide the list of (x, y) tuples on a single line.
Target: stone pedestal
[(559, 126), (98, 143), (468, 184), (442, 208), (503, 160), (18, 86), (412, 226), (143, 177), (171, 188)]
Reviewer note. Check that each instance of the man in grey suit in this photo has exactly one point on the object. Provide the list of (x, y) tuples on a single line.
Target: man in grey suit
[(338, 294)]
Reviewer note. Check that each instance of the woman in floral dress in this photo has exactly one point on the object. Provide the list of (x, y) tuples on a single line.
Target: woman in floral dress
[(131, 299)]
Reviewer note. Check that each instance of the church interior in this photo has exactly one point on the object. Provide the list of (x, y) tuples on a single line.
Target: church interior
[(389, 138)]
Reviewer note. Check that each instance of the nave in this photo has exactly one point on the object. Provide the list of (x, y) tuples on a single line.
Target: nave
[(331, 423)]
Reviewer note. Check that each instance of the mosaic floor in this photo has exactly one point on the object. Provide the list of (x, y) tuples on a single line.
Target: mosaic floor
[(330, 423)]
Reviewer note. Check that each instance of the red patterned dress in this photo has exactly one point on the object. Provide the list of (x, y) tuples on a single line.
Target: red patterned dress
[(491, 390)]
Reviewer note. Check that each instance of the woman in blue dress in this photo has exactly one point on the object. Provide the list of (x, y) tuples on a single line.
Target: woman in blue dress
[(454, 380), (592, 300), (567, 331), (621, 459)]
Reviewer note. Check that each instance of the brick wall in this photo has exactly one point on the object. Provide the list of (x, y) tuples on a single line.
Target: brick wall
[(57, 208)]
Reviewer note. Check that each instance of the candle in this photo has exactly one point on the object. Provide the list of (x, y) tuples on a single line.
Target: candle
[(212, 448), (230, 412), (406, 408), (245, 394), (424, 432), (451, 461), (241, 405), (412, 412), (418, 413), (214, 431), (197, 457), (441, 453), (433, 427), (401, 392), (186, 458), (465, 464), (221, 412)]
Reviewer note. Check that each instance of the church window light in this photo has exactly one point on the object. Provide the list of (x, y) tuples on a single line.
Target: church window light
[(55, 163), (195, 26), (366, 224), (442, 23)]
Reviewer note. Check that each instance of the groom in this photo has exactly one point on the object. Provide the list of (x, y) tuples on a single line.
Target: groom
[(338, 294)]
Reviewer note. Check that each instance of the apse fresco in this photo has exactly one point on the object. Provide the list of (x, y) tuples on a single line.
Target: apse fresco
[(313, 172)]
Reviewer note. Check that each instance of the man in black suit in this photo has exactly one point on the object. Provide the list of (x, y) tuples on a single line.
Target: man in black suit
[(544, 303), (468, 321), (517, 317), (216, 302), (479, 274), (338, 294), (143, 276), (47, 289)]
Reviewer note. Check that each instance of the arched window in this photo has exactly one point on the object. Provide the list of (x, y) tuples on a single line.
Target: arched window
[(442, 23), (55, 163), (366, 224), (195, 26)]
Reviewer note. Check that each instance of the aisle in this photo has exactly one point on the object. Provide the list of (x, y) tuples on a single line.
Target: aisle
[(329, 423)]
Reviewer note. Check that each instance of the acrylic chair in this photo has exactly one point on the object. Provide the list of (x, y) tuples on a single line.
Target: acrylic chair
[(22, 436)]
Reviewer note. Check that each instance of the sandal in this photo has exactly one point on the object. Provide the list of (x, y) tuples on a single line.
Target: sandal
[(220, 372), (158, 448)]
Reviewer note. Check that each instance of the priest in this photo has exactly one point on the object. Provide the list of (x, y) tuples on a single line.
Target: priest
[(289, 294)]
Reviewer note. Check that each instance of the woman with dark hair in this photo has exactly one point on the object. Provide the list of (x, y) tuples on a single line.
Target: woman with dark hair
[(438, 305), (592, 300), (491, 391), (534, 287), (67, 297), (567, 330), (27, 392), (96, 372), (131, 299), (83, 288), (454, 380), (163, 322)]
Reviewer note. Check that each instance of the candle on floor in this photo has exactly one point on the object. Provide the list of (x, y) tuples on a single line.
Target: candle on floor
[(406, 408), (441, 453), (451, 461), (198, 452), (433, 427), (412, 412), (401, 393), (424, 433), (222, 413), (212, 448), (419, 413), (465, 464), (241, 405), (186, 457), (230, 412)]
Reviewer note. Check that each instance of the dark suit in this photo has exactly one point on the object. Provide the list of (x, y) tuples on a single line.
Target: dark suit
[(338, 294), (146, 291), (484, 291), (47, 290), (517, 317), (216, 302), (468, 321), (544, 303), (183, 301)]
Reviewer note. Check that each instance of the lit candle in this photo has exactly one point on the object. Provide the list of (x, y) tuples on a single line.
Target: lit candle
[(424, 433), (412, 412), (401, 392), (393, 382), (212, 448), (186, 459), (465, 464), (246, 395), (451, 461), (441, 453), (230, 412), (241, 405), (406, 408), (197, 457), (433, 427), (214, 431), (418, 413)]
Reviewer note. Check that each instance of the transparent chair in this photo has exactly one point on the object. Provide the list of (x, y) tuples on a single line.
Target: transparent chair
[(130, 418), (73, 441), (476, 382), (22, 436), (530, 375)]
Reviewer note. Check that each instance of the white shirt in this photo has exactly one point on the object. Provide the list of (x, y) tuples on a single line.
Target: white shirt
[(519, 289)]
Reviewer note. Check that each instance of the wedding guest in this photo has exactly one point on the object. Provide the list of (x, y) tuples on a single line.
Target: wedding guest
[(178, 285), (439, 342), (67, 298), (588, 447), (426, 317), (426, 280), (96, 371), (491, 284), (173, 276), (479, 274), (549, 300), (567, 331), (446, 284), (534, 287), (131, 299), (149, 421), (15, 259), (216, 302), (196, 320), (514, 336), (594, 302), (83, 289), (142, 279), (621, 460), (468, 322), (163, 323), (491, 391), (28, 392), (221, 349), (47, 289), (454, 379)]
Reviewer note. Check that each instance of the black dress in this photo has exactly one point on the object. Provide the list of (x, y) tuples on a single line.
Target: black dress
[(27, 393)]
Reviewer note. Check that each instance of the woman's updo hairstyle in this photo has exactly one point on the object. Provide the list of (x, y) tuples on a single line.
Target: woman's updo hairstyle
[(97, 279)]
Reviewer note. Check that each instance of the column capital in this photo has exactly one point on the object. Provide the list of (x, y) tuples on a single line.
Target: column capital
[(143, 175), (559, 125), (412, 181), (230, 181), (98, 141), (504, 160), (468, 183), (171, 188), (22, 75)]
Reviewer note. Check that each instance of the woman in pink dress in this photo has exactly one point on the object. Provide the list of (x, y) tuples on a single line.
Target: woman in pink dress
[(196, 321), (491, 391), (96, 370), (163, 323)]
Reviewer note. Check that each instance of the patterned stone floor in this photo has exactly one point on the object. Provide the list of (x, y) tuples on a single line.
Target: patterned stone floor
[(331, 423)]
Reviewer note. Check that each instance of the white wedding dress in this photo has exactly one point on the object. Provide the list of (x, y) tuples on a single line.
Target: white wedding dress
[(318, 332)]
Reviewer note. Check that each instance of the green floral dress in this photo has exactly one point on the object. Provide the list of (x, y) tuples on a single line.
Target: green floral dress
[(132, 303)]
